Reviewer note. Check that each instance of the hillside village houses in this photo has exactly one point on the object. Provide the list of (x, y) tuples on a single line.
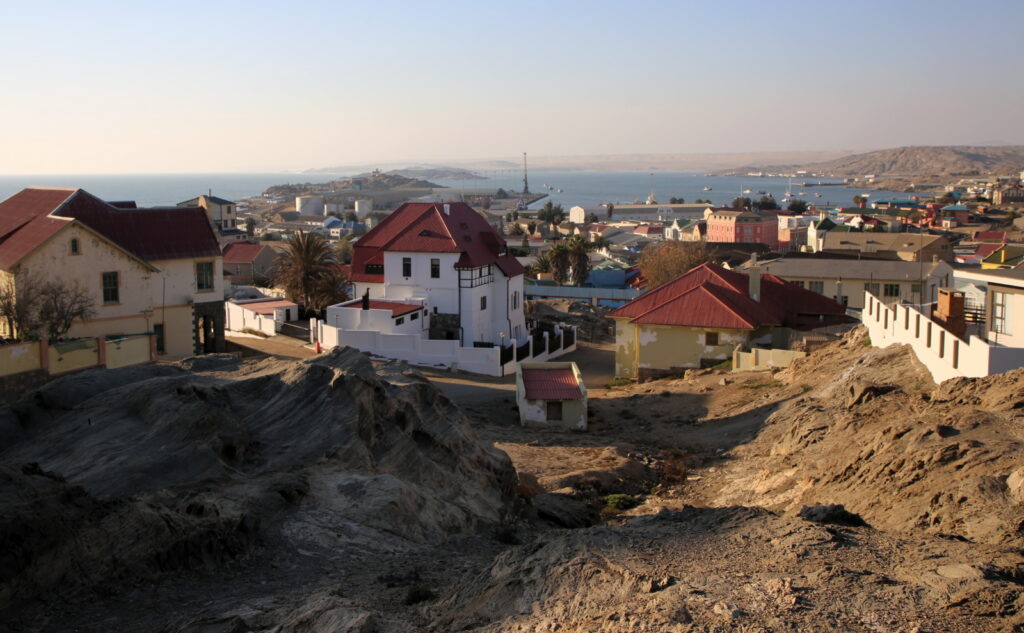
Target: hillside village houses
[(146, 270)]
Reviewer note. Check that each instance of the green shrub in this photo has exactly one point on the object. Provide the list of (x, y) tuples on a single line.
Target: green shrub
[(619, 382), (762, 385), (619, 501)]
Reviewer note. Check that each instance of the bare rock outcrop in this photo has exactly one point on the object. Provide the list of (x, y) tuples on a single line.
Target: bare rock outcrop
[(124, 474)]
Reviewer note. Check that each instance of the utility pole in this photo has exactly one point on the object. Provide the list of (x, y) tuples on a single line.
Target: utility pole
[(526, 184)]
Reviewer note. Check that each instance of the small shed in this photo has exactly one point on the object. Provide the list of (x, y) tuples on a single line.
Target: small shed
[(551, 395)]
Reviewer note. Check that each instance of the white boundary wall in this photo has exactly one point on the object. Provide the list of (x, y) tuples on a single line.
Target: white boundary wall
[(238, 318), (416, 350), (945, 355)]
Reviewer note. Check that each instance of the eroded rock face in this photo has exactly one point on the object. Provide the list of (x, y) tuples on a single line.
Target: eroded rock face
[(873, 433), (133, 472), (719, 569)]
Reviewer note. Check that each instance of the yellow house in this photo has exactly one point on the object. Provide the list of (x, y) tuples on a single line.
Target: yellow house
[(1006, 256), (700, 317), (145, 270)]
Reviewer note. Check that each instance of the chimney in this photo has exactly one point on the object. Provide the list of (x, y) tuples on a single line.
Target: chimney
[(366, 299), (949, 311), (754, 276)]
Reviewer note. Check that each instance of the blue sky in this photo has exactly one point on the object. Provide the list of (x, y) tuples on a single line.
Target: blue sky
[(117, 87)]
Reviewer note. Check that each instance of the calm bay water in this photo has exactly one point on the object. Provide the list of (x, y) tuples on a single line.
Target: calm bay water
[(578, 188)]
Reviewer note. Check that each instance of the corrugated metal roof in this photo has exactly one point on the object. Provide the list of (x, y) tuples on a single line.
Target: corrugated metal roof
[(551, 384), (710, 296)]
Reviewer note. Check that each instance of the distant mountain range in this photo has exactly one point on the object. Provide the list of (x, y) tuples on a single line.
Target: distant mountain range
[(917, 162)]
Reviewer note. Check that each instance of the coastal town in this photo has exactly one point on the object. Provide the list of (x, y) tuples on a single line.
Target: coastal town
[(531, 317), (570, 317)]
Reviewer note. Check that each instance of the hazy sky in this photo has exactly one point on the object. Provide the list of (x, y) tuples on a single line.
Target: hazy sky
[(183, 86)]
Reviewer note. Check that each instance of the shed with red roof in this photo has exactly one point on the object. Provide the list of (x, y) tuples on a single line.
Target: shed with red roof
[(551, 394)]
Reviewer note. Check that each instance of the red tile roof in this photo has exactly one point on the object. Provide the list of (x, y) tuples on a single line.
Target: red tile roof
[(33, 215), (713, 297), (397, 308), (425, 227), (242, 252), (551, 384)]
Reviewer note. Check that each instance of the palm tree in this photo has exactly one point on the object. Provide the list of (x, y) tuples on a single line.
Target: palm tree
[(579, 258), (307, 272), (559, 257)]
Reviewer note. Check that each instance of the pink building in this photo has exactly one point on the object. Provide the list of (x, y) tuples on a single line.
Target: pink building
[(744, 227)]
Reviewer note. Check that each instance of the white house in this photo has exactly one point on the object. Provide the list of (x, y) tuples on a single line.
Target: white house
[(448, 259)]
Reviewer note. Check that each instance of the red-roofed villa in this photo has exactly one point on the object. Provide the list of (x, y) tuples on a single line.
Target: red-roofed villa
[(435, 285), (698, 318)]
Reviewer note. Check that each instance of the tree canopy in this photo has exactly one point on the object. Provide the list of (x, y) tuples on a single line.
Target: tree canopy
[(664, 261), (307, 272), (797, 206)]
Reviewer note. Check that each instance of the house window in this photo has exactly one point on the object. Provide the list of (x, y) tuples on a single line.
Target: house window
[(161, 346), (204, 276), (399, 320), (414, 316), (554, 410), (1000, 322), (407, 267), (483, 303), (873, 288), (711, 338), (915, 289), (797, 283), (74, 246), (817, 286), (111, 293), (515, 300), (435, 268), (892, 290)]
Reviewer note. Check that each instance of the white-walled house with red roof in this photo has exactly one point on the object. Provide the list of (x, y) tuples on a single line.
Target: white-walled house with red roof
[(434, 284), (147, 270)]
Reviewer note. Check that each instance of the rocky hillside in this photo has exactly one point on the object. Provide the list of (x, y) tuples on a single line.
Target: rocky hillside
[(926, 161), (373, 181), (108, 478), (325, 496)]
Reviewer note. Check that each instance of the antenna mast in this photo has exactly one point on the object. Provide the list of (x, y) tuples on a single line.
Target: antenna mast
[(526, 184)]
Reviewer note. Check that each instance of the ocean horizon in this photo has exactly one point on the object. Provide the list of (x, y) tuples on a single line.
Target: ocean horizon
[(585, 188)]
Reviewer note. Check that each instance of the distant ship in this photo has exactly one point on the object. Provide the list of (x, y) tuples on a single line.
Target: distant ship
[(748, 191), (707, 188)]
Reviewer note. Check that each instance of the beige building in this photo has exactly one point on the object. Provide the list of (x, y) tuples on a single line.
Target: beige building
[(223, 217), (846, 280), (910, 247), (145, 270)]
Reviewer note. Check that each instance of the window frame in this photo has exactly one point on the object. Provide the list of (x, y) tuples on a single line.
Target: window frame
[(407, 267), (199, 286), (74, 247), (113, 291), (435, 268), (711, 339), (483, 303)]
